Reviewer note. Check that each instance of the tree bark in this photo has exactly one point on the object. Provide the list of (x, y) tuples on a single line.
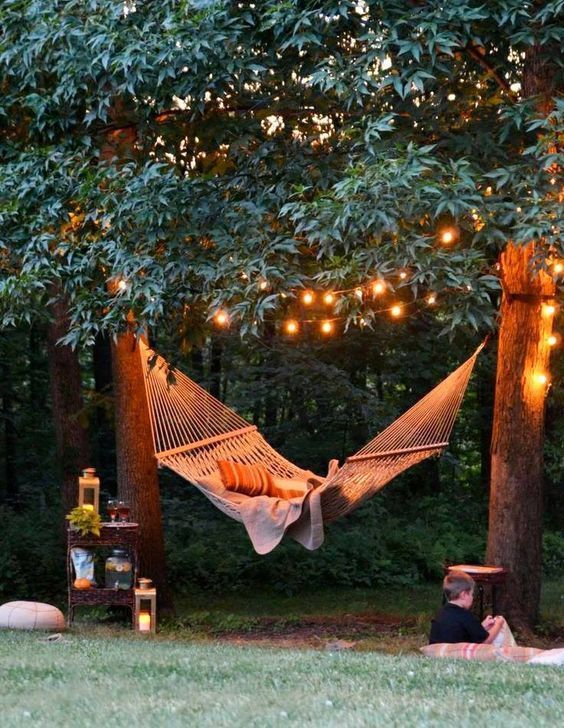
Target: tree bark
[(138, 483), (515, 517), (105, 441), (516, 498), (137, 478), (71, 436)]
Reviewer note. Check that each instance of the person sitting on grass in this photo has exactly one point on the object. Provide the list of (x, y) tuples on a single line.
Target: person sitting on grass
[(456, 623)]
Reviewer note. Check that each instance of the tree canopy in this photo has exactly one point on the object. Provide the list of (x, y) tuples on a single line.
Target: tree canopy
[(269, 147)]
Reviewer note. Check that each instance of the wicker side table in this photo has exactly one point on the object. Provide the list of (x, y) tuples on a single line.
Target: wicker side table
[(124, 535)]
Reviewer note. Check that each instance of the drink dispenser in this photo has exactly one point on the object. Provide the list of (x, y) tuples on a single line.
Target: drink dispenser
[(119, 570)]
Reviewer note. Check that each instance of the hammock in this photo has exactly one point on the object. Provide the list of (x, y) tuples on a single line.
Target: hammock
[(192, 431)]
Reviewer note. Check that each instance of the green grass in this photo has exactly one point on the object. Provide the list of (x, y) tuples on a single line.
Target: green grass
[(190, 674), (120, 679)]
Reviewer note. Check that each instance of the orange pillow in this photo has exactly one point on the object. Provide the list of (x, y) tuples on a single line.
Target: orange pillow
[(252, 480), (248, 479)]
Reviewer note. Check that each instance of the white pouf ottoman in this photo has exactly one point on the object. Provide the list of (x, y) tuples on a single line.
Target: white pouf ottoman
[(31, 615)]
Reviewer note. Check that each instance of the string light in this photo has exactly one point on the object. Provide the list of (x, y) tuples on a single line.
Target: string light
[(548, 310), (377, 287), (541, 378), (448, 235), (122, 285), (558, 267), (552, 340), (221, 318)]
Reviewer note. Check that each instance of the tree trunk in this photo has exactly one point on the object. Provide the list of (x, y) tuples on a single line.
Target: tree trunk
[(105, 441), (515, 520), (515, 530), (71, 436), (136, 464), (138, 483)]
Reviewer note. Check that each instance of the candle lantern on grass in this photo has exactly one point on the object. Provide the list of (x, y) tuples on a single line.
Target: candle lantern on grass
[(89, 489), (146, 610)]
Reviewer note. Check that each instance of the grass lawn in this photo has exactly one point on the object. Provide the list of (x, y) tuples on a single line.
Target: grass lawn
[(218, 664), (118, 679)]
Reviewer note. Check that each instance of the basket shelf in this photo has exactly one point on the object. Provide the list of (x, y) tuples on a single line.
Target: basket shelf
[(111, 535)]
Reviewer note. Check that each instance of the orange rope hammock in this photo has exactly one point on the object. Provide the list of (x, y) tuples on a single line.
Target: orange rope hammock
[(192, 431)]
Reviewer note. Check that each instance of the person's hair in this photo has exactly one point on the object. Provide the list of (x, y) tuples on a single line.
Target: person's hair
[(456, 582)]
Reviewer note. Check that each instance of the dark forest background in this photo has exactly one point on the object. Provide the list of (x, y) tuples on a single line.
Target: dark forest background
[(314, 399)]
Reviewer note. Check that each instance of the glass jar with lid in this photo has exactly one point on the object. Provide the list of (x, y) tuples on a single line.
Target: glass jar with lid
[(119, 570)]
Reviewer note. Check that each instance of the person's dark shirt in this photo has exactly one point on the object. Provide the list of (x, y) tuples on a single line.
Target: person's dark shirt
[(456, 624)]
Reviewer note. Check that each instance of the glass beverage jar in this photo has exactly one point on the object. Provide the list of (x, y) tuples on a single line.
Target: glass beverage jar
[(119, 571)]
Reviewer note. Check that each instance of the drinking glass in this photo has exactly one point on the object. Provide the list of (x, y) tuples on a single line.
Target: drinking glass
[(123, 511), (112, 510)]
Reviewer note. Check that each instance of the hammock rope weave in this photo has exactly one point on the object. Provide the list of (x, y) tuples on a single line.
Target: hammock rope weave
[(192, 430)]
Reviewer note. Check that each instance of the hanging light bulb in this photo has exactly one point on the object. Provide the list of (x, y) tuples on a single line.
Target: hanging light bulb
[(327, 327), (448, 235), (548, 310), (328, 298), (378, 287), (291, 327), (396, 310), (221, 318), (307, 298)]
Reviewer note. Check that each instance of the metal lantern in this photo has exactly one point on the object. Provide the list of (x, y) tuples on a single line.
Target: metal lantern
[(89, 489)]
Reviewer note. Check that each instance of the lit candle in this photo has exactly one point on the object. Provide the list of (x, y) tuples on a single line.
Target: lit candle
[(144, 622)]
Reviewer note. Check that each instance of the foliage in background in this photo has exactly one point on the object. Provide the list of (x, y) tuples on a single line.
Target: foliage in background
[(314, 400), (320, 143)]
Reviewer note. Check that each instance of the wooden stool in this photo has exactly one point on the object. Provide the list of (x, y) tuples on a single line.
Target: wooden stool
[(493, 576)]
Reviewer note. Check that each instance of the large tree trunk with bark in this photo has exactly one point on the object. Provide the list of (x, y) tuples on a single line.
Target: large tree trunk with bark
[(515, 524), (515, 520), (71, 436), (138, 483), (137, 478)]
